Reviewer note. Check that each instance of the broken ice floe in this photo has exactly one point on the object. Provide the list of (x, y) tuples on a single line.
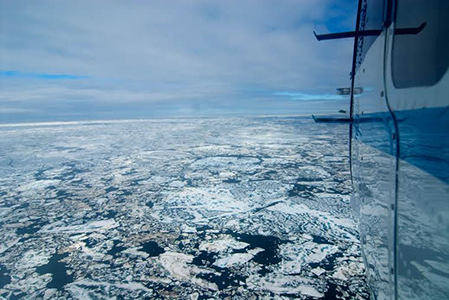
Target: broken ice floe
[(177, 208)]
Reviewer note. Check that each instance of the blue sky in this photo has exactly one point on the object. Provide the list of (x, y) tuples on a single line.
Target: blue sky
[(66, 60)]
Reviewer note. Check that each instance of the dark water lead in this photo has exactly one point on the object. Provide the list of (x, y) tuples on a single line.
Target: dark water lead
[(332, 292), (205, 259), (223, 277), (231, 180), (32, 228), (110, 214), (116, 249), (152, 248), (111, 189), (4, 278), (304, 190), (269, 256), (270, 244), (328, 263), (321, 240), (58, 271)]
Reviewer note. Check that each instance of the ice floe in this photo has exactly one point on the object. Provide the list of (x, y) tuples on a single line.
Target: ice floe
[(234, 208)]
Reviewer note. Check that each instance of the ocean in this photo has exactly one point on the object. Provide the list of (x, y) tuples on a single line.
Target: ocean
[(185, 208)]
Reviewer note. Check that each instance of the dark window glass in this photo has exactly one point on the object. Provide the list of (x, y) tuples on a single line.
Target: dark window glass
[(421, 59)]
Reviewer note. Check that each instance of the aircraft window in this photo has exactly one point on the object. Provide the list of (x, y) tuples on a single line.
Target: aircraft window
[(422, 59)]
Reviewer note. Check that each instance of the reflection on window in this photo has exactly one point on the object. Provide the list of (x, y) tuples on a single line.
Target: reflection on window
[(422, 59)]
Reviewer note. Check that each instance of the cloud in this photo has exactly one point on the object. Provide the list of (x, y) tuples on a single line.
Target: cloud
[(108, 53), (18, 74), (11, 110)]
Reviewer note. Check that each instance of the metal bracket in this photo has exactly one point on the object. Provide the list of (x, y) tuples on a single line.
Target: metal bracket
[(374, 32)]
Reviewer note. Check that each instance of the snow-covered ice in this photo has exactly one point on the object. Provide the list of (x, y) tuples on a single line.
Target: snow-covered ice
[(178, 208)]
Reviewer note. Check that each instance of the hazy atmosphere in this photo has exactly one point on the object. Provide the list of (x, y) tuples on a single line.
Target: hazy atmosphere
[(71, 60)]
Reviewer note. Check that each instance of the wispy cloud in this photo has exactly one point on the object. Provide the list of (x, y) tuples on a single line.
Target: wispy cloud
[(25, 75), (11, 110)]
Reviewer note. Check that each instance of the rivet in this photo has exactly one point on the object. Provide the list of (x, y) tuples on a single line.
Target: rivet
[(392, 206), (382, 93)]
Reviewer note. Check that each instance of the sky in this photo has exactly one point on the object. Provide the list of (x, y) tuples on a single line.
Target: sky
[(83, 60)]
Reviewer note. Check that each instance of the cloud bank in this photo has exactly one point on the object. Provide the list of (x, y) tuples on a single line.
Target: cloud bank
[(81, 59)]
